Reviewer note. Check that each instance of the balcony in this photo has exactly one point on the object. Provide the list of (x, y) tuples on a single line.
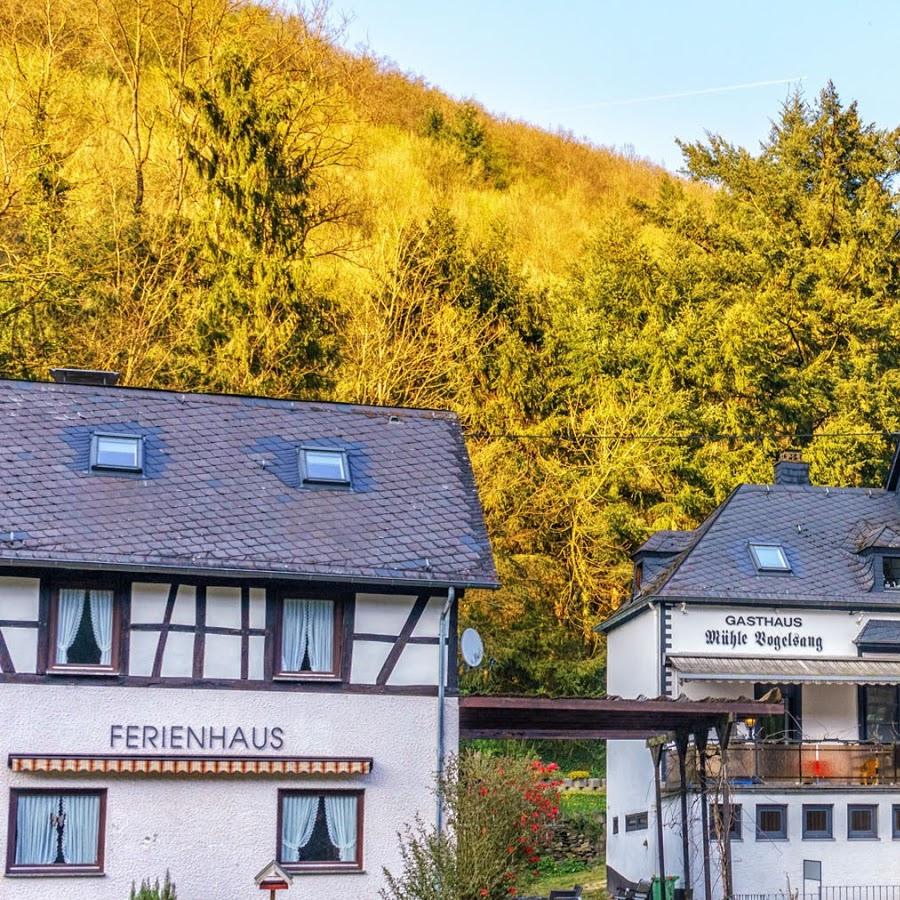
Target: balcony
[(806, 762)]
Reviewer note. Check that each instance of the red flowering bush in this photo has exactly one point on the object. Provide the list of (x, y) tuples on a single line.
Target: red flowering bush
[(497, 813)]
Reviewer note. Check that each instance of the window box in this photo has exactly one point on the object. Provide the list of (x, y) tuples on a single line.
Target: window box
[(56, 832), (862, 822), (320, 831), (308, 645), (818, 822), (84, 630)]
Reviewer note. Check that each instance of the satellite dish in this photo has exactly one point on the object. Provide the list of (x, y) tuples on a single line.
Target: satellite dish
[(472, 647)]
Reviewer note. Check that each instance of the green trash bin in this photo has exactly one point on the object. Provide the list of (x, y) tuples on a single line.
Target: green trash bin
[(670, 888)]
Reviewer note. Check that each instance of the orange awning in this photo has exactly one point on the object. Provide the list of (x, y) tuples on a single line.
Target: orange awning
[(285, 766)]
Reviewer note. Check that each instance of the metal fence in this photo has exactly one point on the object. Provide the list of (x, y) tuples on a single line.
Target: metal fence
[(833, 892)]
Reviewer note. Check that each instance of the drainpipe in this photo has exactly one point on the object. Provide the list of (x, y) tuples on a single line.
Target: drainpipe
[(442, 678)]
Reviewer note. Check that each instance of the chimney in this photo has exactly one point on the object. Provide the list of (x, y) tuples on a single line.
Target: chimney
[(96, 377), (790, 468)]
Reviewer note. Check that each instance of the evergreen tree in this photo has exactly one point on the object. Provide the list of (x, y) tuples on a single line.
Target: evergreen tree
[(261, 325)]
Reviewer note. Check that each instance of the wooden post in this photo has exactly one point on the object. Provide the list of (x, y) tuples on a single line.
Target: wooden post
[(700, 742), (681, 745), (657, 747), (723, 732)]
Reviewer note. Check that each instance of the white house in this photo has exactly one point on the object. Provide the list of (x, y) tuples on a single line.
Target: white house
[(219, 635), (788, 585)]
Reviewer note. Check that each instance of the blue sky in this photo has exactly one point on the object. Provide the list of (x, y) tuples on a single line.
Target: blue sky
[(589, 67)]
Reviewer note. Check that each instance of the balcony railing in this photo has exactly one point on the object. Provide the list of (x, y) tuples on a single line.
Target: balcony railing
[(822, 762)]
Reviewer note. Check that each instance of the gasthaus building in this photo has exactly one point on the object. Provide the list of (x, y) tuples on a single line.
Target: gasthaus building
[(789, 586), (219, 635)]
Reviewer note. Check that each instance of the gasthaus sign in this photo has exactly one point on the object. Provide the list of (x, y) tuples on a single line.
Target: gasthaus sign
[(764, 633), (721, 631)]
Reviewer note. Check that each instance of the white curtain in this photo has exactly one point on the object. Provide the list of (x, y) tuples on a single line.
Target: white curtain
[(307, 629), (101, 623), (71, 609), (340, 816), (320, 634), (298, 819), (293, 635), (35, 833), (81, 829)]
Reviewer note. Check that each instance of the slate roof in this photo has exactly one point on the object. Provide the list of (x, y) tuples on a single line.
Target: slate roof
[(879, 633), (824, 532), (665, 542), (221, 489)]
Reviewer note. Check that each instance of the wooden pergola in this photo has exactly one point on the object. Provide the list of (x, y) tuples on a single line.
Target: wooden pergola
[(657, 721)]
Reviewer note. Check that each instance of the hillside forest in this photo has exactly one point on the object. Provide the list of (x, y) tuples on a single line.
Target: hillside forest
[(214, 195)]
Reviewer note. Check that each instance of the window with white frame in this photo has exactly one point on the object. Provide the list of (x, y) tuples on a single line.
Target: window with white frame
[(117, 452), (56, 831), (319, 465), (890, 568), (770, 558), (310, 645), (83, 633), (320, 830)]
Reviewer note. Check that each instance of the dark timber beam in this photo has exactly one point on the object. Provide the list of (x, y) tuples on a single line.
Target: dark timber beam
[(723, 732), (701, 739), (681, 745), (657, 747)]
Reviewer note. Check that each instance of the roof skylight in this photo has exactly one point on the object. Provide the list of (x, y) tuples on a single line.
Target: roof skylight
[(117, 452), (770, 558), (324, 466)]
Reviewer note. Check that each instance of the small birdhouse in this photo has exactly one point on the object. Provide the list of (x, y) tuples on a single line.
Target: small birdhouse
[(273, 878)]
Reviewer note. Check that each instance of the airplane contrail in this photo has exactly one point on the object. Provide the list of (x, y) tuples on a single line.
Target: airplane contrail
[(724, 89)]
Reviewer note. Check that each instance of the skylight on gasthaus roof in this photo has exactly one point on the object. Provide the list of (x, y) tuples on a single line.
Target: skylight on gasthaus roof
[(769, 558)]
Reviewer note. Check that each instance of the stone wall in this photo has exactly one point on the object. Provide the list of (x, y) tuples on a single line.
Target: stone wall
[(582, 839)]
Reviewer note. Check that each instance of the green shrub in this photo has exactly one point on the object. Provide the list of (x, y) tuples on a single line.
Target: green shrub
[(498, 813), (146, 892)]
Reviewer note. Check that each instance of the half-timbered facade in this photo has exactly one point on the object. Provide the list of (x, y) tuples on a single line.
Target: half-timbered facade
[(219, 635)]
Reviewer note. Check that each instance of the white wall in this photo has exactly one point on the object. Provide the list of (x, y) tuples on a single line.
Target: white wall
[(765, 866), (19, 602), (830, 712), (385, 615), (632, 651), (215, 834)]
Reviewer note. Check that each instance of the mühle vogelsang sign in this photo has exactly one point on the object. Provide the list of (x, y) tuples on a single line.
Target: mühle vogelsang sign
[(770, 633)]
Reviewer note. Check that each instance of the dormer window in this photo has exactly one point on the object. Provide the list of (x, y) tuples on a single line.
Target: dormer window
[(890, 566), (324, 466), (117, 452), (769, 558)]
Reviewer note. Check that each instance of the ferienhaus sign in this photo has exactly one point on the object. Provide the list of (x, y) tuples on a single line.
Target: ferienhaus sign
[(195, 737), (781, 634)]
